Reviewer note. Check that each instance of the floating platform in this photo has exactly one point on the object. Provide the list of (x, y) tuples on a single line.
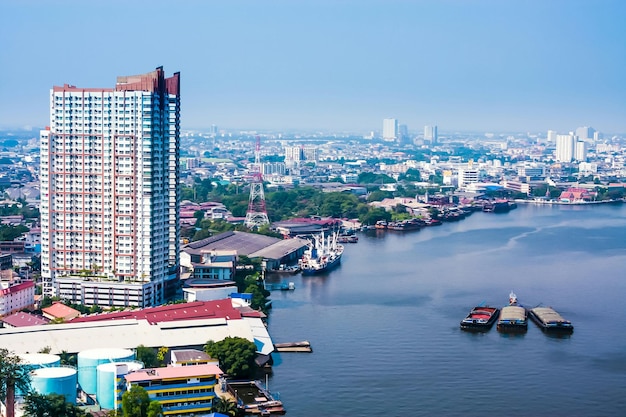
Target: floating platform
[(303, 346), (253, 398), (550, 321)]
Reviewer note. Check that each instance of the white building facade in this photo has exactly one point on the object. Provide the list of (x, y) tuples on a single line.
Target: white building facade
[(110, 192), (390, 130), (16, 297), (430, 133), (565, 148)]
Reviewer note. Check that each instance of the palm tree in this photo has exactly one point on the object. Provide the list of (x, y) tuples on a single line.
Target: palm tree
[(224, 405), (13, 374)]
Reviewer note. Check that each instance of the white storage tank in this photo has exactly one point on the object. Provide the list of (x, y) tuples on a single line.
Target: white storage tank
[(59, 380), (40, 360), (88, 361), (111, 381)]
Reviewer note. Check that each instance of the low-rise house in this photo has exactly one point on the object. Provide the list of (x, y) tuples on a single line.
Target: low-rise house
[(189, 357), (59, 311), (572, 195), (181, 390), (23, 319)]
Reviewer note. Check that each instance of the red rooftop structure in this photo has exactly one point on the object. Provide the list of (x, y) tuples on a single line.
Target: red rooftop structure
[(216, 309)]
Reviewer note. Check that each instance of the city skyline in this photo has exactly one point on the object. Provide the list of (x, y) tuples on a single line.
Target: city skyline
[(327, 65)]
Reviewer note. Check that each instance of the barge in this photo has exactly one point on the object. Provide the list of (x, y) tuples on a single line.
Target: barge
[(513, 318), (550, 321), (480, 318)]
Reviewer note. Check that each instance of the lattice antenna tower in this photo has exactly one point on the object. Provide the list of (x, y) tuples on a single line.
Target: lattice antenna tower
[(257, 213)]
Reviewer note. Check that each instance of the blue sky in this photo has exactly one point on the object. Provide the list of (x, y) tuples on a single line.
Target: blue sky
[(331, 64)]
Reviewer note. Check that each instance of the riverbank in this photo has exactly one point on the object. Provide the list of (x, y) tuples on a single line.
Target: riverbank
[(566, 203)]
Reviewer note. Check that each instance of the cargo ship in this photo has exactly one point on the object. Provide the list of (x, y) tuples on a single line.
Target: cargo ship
[(513, 318), (550, 321), (323, 253), (480, 318)]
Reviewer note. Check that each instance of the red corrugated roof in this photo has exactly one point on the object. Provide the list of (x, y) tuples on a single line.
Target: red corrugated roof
[(24, 319), (60, 310), (186, 311), (19, 287)]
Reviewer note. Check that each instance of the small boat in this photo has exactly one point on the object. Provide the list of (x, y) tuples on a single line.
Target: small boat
[(550, 321), (513, 318), (480, 318), (285, 269), (348, 239), (381, 224), (405, 225), (498, 206)]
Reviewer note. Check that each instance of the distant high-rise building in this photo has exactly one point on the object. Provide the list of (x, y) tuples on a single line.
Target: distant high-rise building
[(310, 153), (580, 151), (565, 148), (585, 133), (468, 175), (403, 133), (390, 130), (430, 133), (213, 130), (551, 136), (110, 192), (293, 155)]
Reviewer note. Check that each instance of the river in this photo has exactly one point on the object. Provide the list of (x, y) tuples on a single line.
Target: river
[(384, 325)]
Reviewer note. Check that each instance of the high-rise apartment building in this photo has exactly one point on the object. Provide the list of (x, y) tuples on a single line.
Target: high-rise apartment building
[(551, 136), (580, 151), (110, 192), (585, 133), (430, 134), (390, 130), (565, 148)]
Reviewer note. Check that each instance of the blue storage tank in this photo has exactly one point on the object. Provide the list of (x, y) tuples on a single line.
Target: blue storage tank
[(38, 360), (88, 361), (60, 380), (111, 382)]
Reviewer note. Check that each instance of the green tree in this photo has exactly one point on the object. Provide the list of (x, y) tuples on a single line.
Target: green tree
[(9, 233), (235, 355), (224, 405), (67, 359), (147, 356), (155, 409), (373, 215), (12, 375), (161, 355), (379, 195), (51, 405), (135, 402)]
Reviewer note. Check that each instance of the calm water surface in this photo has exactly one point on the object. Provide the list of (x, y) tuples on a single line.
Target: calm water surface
[(384, 326)]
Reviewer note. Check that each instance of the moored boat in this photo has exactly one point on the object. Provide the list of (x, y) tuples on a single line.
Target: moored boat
[(513, 318), (550, 321), (348, 239), (323, 254), (380, 224), (480, 318)]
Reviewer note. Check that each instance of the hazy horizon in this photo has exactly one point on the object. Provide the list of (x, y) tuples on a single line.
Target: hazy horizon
[(480, 66)]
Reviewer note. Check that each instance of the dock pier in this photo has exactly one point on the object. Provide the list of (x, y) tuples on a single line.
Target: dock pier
[(304, 346)]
